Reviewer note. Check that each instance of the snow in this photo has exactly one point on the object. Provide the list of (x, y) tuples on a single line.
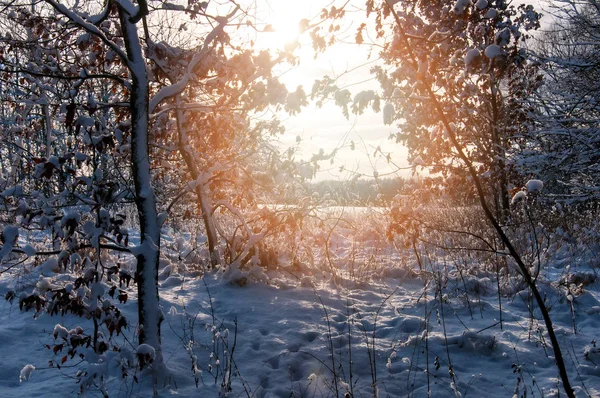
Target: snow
[(519, 197), (481, 4), (10, 234), (461, 6), (178, 87), (503, 37), (491, 13), (29, 250), (15, 191), (534, 186), (493, 51), (472, 56), (285, 325), (49, 267), (145, 349), (26, 372), (60, 332)]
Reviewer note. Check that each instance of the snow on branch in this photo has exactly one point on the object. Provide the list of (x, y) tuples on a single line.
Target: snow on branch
[(89, 27), (130, 9), (178, 87)]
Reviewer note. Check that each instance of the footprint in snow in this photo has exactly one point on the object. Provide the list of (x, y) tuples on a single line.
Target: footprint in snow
[(311, 336), (274, 362)]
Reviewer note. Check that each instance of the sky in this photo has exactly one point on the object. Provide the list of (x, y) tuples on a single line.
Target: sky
[(327, 128)]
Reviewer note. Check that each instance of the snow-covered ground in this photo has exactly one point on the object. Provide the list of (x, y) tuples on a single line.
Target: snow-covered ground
[(301, 335)]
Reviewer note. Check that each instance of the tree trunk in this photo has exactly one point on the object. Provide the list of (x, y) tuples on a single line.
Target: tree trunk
[(200, 190), (148, 255), (500, 190)]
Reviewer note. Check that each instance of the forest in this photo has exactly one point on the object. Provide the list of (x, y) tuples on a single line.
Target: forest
[(162, 231)]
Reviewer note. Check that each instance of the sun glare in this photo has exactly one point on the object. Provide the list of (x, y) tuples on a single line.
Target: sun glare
[(281, 28), (283, 33)]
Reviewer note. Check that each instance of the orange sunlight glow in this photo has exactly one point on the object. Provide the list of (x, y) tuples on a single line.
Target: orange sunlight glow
[(281, 32), (280, 23)]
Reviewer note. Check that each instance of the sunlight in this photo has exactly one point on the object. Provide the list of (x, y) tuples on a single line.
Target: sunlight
[(281, 30)]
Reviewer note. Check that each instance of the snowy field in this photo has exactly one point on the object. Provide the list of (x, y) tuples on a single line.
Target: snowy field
[(393, 332)]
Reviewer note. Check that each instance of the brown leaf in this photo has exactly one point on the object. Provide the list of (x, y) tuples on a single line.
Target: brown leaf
[(57, 348), (122, 297)]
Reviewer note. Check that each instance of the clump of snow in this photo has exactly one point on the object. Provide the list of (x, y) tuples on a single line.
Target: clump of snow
[(519, 197), (29, 250), (258, 273), (491, 13), (97, 290), (145, 355), (388, 114), (146, 350), (534, 186), (233, 274), (70, 217), (9, 239), (75, 260), (49, 267), (17, 190), (126, 355), (26, 372), (43, 285), (503, 37), (461, 6), (472, 56), (60, 331), (10, 235), (493, 51)]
